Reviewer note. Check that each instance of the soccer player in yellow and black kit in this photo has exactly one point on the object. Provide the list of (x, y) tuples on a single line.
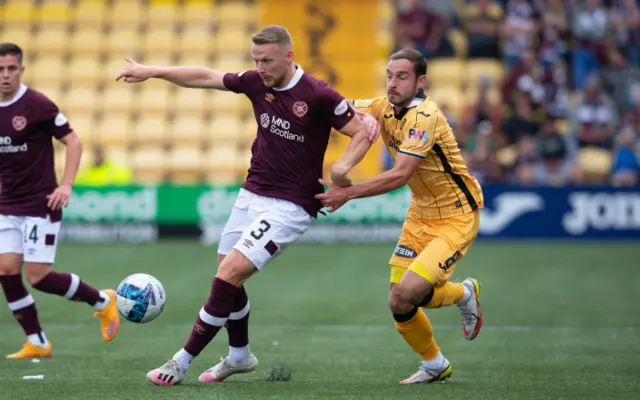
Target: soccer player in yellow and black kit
[(443, 218)]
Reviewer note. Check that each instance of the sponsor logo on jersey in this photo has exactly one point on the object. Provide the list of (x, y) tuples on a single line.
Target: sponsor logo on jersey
[(7, 146), (418, 134), (280, 127), (269, 97), (300, 108), (395, 143), (405, 252), (19, 122), (264, 120)]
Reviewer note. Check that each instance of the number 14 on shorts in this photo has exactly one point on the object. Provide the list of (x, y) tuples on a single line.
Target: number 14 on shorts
[(32, 235)]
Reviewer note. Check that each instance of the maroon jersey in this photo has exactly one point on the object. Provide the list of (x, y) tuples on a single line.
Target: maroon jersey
[(294, 124), (27, 172)]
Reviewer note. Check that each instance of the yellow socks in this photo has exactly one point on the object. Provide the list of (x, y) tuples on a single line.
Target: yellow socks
[(446, 295), (418, 332)]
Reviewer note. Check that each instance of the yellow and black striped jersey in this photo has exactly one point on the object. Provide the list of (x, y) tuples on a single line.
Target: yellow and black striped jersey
[(441, 186)]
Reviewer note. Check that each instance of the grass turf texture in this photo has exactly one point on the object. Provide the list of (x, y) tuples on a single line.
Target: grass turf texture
[(561, 322)]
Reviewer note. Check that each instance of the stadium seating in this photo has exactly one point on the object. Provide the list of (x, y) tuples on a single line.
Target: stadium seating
[(74, 52), (150, 163), (595, 164), (187, 130), (90, 13)]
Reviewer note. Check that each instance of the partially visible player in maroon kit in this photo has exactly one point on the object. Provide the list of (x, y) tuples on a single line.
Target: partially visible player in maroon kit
[(31, 205), (295, 113)]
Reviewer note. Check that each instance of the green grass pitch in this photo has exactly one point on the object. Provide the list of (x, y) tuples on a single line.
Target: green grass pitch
[(561, 322)]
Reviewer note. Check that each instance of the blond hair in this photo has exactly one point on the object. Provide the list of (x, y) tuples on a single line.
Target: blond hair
[(272, 34)]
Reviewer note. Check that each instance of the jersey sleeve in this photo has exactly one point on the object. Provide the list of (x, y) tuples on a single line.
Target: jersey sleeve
[(420, 136), (241, 82), (337, 109), (370, 106), (53, 120)]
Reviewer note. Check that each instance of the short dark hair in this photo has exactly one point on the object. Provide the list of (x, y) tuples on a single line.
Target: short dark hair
[(416, 58), (11, 49)]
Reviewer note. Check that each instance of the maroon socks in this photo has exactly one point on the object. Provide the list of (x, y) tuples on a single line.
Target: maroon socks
[(23, 307), (238, 328), (71, 287), (212, 316)]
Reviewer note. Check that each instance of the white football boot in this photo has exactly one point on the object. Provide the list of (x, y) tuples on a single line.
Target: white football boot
[(225, 368), (425, 374), (470, 313), (169, 374)]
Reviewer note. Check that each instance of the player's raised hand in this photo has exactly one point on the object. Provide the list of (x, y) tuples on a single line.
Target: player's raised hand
[(372, 126), (59, 198), (135, 72), (335, 196)]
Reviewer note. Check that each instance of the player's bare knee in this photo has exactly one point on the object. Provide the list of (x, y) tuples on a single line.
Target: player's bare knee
[(233, 273), (235, 269), (411, 297), (10, 264), (420, 296), (415, 289), (36, 272), (397, 303)]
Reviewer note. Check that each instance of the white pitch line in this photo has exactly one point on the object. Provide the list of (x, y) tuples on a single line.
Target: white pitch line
[(447, 327), (381, 328)]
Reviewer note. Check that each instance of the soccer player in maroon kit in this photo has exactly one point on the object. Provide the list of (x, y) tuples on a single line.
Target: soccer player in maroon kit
[(295, 113), (31, 205)]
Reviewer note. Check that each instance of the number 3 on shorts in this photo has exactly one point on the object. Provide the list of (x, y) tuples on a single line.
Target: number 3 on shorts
[(258, 242), (258, 233)]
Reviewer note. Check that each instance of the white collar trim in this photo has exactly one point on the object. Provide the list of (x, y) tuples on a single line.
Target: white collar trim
[(415, 102), (296, 78), (21, 92)]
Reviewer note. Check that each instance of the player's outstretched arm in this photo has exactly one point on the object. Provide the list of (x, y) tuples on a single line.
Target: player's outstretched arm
[(61, 196), (359, 129), (335, 197), (189, 77), (418, 141), (387, 181)]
